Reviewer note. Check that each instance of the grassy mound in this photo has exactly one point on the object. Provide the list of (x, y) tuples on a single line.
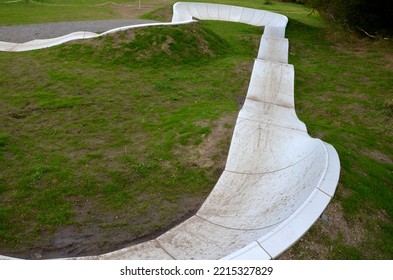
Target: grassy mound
[(111, 141), (152, 46)]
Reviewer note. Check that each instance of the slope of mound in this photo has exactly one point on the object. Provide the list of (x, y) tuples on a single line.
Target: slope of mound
[(156, 46)]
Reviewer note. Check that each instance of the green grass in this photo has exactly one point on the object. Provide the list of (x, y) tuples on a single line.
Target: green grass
[(99, 133), (27, 12), (342, 88), (43, 11)]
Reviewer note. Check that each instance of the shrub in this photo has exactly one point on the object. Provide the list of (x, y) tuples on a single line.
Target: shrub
[(366, 16)]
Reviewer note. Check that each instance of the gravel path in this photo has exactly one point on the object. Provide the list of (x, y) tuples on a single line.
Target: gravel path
[(25, 33)]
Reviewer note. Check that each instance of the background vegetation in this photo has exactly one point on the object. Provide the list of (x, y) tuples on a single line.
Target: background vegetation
[(368, 17)]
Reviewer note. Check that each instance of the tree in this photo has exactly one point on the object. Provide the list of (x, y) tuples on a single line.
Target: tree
[(372, 17)]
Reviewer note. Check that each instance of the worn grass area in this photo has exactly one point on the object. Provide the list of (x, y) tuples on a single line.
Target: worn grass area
[(108, 141)]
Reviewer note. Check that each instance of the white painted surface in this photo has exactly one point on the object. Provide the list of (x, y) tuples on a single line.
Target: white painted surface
[(149, 250), (253, 251), (271, 114), (257, 148), (329, 182), (296, 226), (273, 83), (6, 46), (197, 239), (274, 49), (277, 180), (205, 11)]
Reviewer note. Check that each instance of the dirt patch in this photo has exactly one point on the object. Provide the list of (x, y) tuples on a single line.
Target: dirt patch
[(360, 47), (122, 37), (164, 14), (213, 151), (108, 232), (166, 45), (357, 50), (319, 134), (331, 226), (204, 47), (379, 156), (336, 225), (132, 10), (388, 58), (243, 69)]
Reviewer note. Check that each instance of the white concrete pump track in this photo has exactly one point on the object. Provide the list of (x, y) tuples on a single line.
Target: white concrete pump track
[(277, 181)]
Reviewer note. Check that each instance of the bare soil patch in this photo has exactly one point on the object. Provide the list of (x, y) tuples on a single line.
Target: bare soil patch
[(213, 151), (132, 10), (335, 227), (379, 156)]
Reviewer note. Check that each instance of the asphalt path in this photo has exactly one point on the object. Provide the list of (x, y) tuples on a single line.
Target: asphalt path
[(28, 32)]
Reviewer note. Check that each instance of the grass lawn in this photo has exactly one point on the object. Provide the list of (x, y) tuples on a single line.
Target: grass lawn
[(43, 11), (110, 141)]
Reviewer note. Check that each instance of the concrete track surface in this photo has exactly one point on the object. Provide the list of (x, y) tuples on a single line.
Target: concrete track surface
[(277, 180)]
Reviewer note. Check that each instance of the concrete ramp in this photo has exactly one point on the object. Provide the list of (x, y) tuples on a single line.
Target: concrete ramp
[(277, 181)]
